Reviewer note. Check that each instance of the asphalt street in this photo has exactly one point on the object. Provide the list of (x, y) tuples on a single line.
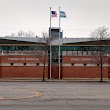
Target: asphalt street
[(54, 96)]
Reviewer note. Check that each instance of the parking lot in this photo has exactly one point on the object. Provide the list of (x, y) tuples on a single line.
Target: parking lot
[(54, 96)]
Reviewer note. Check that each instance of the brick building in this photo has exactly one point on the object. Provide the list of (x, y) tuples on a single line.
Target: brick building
[(78, 58)]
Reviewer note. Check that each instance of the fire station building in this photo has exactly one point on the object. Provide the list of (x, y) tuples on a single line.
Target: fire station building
[(78, 58)]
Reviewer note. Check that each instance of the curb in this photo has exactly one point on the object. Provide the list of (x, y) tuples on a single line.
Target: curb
[(53, 80)]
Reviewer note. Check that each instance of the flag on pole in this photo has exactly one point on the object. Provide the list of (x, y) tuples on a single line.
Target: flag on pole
[(62, 14), (53, 14)]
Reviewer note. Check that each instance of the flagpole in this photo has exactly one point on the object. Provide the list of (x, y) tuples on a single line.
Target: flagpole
[(50, 45), (59, 44)]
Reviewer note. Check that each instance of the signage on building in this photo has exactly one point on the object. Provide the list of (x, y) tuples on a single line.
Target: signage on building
[(83, 59), (23, 59)]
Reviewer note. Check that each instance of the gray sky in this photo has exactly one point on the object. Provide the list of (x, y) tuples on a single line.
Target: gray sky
[(83, 16)]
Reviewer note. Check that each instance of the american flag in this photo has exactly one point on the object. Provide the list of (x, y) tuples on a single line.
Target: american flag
[(53, 14)]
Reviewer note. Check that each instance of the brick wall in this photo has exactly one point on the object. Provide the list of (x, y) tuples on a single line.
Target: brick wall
[(22, 72), (36, 71), (83, 72)]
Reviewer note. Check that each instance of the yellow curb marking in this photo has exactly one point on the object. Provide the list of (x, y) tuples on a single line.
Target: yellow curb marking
[(1, 98), (36, 94)]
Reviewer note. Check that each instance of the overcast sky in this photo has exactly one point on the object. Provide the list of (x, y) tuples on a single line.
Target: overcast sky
[(83, 16)]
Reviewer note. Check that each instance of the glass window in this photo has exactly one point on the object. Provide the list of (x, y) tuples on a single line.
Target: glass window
[(74, 53)]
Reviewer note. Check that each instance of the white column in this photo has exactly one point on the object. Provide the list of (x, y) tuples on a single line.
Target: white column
[(59, 44), (50, 45)]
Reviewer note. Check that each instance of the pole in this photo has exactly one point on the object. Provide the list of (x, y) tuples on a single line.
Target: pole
[(59, 43), (50, 44)]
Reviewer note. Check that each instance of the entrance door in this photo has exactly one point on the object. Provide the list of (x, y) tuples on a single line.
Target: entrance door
[(55, 63), (55, 72)]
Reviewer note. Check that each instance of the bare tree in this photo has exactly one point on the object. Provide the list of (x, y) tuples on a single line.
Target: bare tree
[(29, 34), (23, 34), (100, 38), (13, 35), (42, 55), (20, 34)]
